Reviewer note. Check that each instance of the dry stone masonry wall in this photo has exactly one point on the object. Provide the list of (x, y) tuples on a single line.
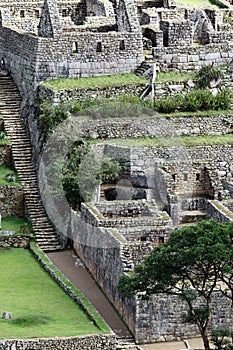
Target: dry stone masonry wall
[(92, 342)]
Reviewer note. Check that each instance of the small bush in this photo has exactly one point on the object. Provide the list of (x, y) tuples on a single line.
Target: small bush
[(222, 100), (11, 177), (207, 74), (221, 338), (196, 100), (30, 320), (169, 104)]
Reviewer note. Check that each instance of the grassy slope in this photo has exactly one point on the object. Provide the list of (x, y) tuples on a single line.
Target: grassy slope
[(197, 3), (175, 141), (25, 288), (97, 82), (14, 223), (3, 172)]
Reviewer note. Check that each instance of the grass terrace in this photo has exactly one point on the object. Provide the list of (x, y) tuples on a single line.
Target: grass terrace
[(8, 177), (198, 3), (14, 223), (173, 141), (97, 82), (39, 307)]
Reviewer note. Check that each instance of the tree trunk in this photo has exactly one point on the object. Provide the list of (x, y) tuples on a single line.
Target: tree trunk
[(205, 341)]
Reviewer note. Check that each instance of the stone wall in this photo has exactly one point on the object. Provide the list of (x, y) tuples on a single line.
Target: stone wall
[(100, 250), (32, 59), (46, 93), (92, 342), (218, 211), (156, 126), (176, 33), (5, 155), (193, 57), (165, 316), (12, 201), (107, 255), (93, 217), (10, 241)]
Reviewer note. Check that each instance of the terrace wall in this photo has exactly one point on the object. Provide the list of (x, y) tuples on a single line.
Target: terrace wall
[(92, 342), (192, 58)]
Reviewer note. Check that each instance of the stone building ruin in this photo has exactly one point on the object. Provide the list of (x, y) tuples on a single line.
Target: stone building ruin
[(42, 40)]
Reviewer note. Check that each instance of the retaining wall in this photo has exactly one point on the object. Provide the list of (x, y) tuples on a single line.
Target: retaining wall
[(92, 342), (11, 201), (218, 211), (192, 58), (5, 155), (8, 241)]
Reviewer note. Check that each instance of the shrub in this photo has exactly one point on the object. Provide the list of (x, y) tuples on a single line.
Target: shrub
[(222, 100), (206, 74), (30, 320), (221, 338), (169, 104), (11, 177), (198, 100)]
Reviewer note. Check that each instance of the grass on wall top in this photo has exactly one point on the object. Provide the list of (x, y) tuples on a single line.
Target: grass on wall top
[(173, 141), (97, 82), (4, 172), (14, 223), (198, 3), (115, 80), (39, 307)]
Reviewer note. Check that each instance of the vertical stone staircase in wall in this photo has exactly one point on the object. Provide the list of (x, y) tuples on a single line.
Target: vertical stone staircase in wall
[(10, 102)]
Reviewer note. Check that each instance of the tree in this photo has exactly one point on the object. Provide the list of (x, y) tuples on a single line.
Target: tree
[(190, 264), (84, 169)]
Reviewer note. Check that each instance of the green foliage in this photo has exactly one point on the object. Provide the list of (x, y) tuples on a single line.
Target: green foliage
[(4, 140), (109, 171), (85, 169), (207, 74), (194, 258), (8, 177), (222, 100), (183, 140), (169, 104), (228, 19), (52, 115), (221, 338), (196, 100), (16, 224), (30, 320), (27, 289), (97, 82), (200, 3), (85, 304)]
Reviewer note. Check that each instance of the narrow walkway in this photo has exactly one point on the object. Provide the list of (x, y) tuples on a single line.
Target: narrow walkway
[(71, 267), (10, 102), (68, 262)]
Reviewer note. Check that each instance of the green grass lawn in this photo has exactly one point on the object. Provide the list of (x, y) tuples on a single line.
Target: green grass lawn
[(97, 82), (197, 3), (4, 171), (173, 141), (26, 289), (14, 223)]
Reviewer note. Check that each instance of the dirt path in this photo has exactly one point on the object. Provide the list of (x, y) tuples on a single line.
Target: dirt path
[(68, 262), (72, 268)]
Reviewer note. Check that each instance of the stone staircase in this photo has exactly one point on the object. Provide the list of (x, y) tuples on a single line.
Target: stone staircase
[(10, 102), (127, 344)]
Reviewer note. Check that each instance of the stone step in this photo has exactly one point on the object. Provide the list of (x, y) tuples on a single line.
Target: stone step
[(192, 216), (10, 102)]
